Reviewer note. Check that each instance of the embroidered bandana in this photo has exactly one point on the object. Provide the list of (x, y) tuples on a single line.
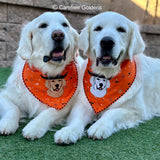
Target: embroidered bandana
[(101, 92), (52, 91)]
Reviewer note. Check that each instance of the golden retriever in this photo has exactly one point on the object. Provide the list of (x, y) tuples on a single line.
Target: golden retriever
[(114, 48), (47, 46)]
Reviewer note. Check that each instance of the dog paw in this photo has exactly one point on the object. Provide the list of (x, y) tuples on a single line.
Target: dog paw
[(34, 130), (99, 131), (67, 136), (8, 127)]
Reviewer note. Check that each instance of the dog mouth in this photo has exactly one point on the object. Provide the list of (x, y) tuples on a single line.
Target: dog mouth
[(55, 89), (106, 60), (100, 88), (58, 54)]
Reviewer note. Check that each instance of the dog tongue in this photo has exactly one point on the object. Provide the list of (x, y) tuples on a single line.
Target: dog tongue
[(58, 54), (106, 57)]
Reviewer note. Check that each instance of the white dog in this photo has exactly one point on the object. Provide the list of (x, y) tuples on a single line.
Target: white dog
[(46, 51), (99, 86), (114, 46)]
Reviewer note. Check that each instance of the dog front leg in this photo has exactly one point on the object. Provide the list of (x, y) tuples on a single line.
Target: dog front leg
[(10, 116), (79, 117), (37, 127), (112, 121)]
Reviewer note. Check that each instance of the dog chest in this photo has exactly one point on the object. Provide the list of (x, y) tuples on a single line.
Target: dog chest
[(52, 91)]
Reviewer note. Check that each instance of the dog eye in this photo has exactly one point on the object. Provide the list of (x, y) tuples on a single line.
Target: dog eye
[(98, 79), (53, 81), (98, 28), (121, 29), (64, 24), (43, 25)]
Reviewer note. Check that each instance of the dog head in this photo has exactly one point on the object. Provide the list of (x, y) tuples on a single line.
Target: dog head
[(108, 39), (48, 43), (99, 83), (99, 86), (55, 85)]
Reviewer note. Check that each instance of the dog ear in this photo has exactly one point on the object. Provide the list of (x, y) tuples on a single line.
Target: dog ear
[(108, 83), (84, 39), (48, 84), (63, 83), (92, 80), (25, 45), (136, 44), (76, 39), (76, 36)]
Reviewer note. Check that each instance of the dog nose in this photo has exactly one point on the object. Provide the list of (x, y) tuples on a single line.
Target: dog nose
[(107, 43), (58, 35), (57, 85), (101, 84)]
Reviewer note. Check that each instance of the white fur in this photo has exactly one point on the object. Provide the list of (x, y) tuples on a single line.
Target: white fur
[(96, 81), (15, 100), (139, 103)]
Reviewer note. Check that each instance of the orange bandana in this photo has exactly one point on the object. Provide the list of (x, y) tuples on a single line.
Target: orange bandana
[(101, 92), (54, 92)]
